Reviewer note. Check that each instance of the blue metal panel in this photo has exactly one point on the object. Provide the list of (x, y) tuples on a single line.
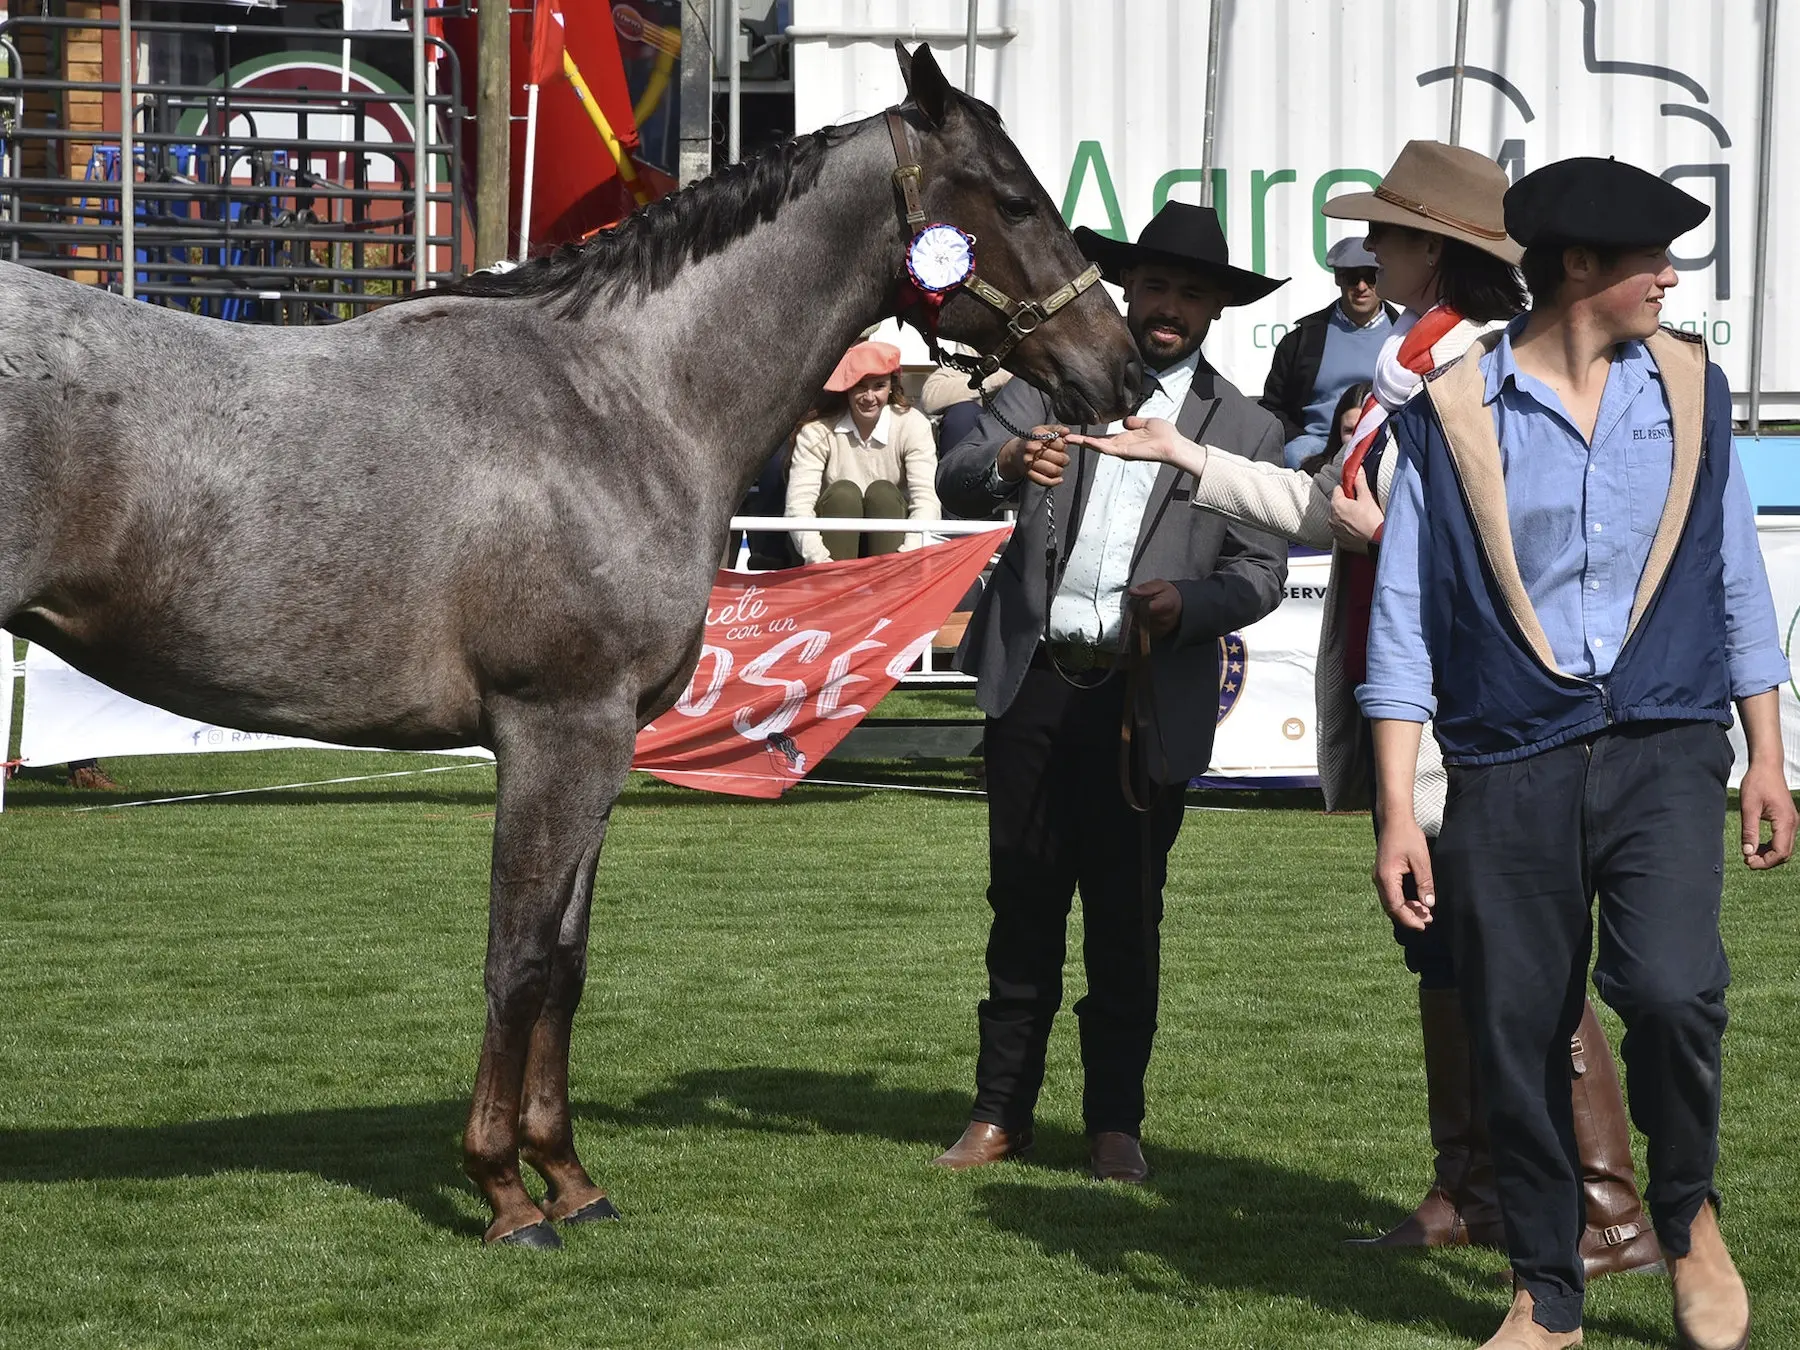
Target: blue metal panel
[(1772, 471)]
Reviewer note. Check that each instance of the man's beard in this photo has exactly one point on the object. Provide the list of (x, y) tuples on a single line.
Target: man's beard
[(1158, 353)]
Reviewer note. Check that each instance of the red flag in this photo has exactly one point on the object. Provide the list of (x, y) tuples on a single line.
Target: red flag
[(548, 35)]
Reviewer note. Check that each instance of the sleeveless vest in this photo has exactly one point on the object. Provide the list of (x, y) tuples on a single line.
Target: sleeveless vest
[(1500, 694)]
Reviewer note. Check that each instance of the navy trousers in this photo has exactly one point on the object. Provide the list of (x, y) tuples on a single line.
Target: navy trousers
[(1057, 819), (1634, 816)]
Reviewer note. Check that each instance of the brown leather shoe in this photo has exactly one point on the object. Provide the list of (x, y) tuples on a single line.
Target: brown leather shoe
[(1712, 1308), (982, 1144), (1617, 1238), (1117, 1156), (1520, 1332), (90, 777)]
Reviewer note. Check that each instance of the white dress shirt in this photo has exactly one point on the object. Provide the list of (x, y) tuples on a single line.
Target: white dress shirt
[(1088, 608)]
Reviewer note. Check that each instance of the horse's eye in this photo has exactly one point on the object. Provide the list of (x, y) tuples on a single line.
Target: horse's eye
[(1018, 208)]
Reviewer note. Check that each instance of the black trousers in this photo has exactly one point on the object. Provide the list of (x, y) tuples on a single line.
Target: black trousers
[(1058, 820), (1635, 816)]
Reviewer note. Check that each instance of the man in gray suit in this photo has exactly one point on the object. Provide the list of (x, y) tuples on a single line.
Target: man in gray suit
[(1052, 686)]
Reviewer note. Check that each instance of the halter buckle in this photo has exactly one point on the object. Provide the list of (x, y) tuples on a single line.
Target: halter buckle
[(1027, 311), (909, 178)]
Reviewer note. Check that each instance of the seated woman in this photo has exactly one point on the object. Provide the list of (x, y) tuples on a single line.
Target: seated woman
[(865, 453)]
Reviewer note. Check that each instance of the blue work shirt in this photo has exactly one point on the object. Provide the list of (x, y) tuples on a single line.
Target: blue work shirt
[(1583, 516)]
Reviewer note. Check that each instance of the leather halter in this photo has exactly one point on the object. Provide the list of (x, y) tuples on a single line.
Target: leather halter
[(1023, 317)]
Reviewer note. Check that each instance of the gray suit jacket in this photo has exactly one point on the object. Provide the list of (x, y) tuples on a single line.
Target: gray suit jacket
[(1228, 575)]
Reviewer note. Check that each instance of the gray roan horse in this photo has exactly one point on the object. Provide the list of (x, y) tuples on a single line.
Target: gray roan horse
[(492, 515)]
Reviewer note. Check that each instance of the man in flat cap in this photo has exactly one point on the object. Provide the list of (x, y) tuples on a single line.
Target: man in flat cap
[(1326, 352), (1570, 588)]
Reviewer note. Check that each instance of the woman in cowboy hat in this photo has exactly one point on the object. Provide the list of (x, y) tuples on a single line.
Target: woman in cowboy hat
[(1436, 228)]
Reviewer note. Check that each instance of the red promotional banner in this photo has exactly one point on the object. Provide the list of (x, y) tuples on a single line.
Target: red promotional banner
[(793, 660)]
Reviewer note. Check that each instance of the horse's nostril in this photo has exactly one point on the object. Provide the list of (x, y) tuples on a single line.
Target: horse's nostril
[(1134, 379)]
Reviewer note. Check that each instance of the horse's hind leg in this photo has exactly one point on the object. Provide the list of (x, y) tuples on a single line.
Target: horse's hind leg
[(560, 770)]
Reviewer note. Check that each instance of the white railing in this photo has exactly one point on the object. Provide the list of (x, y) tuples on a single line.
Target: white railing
[(925, 674)]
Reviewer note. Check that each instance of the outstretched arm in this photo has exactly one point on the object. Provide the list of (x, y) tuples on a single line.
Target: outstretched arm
[(1263, 494)]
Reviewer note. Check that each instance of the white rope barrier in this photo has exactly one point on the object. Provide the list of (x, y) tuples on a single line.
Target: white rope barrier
[(282, 787)]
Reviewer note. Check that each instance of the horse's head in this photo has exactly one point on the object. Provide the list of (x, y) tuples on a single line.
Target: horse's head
[(973, 177)]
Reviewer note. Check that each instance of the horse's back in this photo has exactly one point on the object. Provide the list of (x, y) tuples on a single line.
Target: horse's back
[(194, 510), (334, 529)]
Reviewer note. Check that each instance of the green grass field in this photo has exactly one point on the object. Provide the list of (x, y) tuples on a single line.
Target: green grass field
[(236, 1039)]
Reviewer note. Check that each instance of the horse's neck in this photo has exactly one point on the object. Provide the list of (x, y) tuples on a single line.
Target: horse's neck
[(755, 329)]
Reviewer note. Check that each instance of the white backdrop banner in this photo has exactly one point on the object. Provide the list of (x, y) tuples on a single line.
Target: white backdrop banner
[(1266, 685), (1317, 97), (1266, 695)]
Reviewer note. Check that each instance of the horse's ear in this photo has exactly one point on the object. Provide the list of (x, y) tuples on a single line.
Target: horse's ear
[(925, 83)]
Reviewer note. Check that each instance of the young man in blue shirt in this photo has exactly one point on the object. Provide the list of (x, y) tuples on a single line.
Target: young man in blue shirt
[(1570, 587)]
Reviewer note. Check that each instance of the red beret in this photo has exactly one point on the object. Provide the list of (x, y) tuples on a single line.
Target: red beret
[(860, 362)]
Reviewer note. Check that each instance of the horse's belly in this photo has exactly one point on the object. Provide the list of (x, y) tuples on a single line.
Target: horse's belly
[(255, 677)]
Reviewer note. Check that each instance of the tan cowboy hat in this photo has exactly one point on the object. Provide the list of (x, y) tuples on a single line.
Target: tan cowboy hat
[(1442, 189)]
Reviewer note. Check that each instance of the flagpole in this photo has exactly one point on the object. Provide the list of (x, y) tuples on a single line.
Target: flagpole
[(421, 243), (531, 118), (434, 124), (613, 146)]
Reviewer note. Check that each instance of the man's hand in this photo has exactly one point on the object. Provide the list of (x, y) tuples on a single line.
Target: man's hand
[(1764, 796), (1157, 605), (1146, 438), (1355, 521), (1040, 461), (1403, 874)]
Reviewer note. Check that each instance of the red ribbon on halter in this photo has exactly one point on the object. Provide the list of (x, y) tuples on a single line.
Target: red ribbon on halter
[(910, 295)]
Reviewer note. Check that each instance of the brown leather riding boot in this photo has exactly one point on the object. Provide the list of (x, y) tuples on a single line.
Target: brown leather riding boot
[(1462, 1207), (1618, 1238)]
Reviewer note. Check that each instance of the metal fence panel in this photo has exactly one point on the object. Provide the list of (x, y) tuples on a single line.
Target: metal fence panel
[(291, 188)]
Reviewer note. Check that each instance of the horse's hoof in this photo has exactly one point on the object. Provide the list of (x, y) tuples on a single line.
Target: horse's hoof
[(539, 1235), (594, 1211)]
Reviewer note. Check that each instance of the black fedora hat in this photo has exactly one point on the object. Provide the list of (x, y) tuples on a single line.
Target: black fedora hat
[(1187, 236)]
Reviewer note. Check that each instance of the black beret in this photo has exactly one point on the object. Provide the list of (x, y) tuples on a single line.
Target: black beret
[(1599, 201)]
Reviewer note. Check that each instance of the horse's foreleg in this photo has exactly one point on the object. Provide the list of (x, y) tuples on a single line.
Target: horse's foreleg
[(547, 1132), (560, 772)]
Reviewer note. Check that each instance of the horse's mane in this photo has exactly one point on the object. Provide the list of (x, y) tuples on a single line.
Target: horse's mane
[(646, 250)]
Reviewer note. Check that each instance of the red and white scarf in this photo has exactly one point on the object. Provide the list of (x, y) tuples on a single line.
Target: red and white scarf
[(1406, 359)]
